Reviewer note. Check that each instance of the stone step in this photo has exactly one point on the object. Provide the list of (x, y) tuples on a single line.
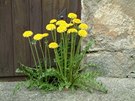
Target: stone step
[(119, 89)]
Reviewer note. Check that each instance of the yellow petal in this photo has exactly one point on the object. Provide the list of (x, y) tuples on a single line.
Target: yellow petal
[(50, 27), (45, 35), (27, 34), (72, 30), (83, 26), (76, 21), (38, 37), (82, 33), (72, 15), (53, 45), (61, 29), (53, 21)]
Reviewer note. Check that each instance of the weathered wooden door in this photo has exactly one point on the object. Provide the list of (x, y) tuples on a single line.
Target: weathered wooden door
[(16, 16)]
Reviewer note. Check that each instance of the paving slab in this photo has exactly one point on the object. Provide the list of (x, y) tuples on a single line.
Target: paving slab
[(119, 89)]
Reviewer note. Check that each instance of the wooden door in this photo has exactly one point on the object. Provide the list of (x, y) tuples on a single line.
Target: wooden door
[(16, 16)]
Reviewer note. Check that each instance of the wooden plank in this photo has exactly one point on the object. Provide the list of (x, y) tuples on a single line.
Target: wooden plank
[(55, 9), (50, 9), (46, 12), (79, 8), (62, 5), (35, 16), (36, 20), (47, 15), (74, 6), (21, 22), (6, 40)]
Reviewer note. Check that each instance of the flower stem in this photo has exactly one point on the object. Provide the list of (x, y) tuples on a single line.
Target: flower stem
[(53, 37), (58, 61), (38, 57), (49, 57), (71, 57), (48, 52), (79, 46), (65, 53), (32, 53), (45, 63)]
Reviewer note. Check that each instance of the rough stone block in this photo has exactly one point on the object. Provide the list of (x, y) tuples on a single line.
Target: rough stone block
[(112, 25)]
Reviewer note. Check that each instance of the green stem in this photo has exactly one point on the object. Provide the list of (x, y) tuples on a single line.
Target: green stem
[(43, 55), (53, 37), (58, 61), (74, 44), (65, 53), (38, 57), (79, 46), (48, 52), (71, 56), (32, 53), (49, 57), (63, 50), (83, 54), (77, 53)]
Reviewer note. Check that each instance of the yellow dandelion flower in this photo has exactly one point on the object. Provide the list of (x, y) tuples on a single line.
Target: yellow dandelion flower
[(45, 35), (65, 24), (27, 34), (61, 22), (61, 29), (83, 26), (72, 15), (50, 27), (38, 37), (53, 21), (82, 33), (72, 30), (53, 45), (76, 21), (70, 24)]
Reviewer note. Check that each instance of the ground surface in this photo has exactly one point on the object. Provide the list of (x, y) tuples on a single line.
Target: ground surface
[(119, 90)]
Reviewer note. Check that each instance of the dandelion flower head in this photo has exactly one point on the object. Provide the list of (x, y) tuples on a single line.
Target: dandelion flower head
[(53, 45), (82, 33), (27, 34), (38, 37), (72, 30), (50, 27), (45, 35), (72, 15), (83, 26), (61, 29), (53, 21), (76, 21)]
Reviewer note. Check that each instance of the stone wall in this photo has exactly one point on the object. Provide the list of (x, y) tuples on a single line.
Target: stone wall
[(112, 25)]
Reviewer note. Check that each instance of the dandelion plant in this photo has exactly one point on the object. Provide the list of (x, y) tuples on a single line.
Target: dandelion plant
[(66, 46)]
